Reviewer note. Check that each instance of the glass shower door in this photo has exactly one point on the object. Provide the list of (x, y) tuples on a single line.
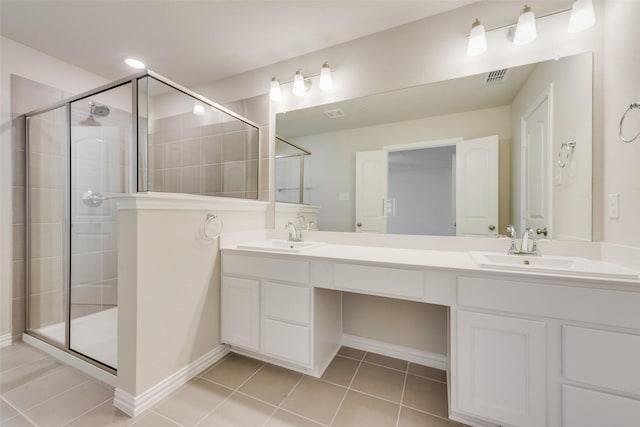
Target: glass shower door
[(101, 155)]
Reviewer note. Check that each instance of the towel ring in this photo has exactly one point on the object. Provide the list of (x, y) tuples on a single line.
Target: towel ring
[(566, 148), (634, 106), (211, 217)]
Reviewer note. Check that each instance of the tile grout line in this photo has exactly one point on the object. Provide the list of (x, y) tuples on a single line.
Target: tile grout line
[(25, 416), (404, 386), (335, 414), (283, 400), (161, 416), (87, 411), (58, 394), (230, 394)]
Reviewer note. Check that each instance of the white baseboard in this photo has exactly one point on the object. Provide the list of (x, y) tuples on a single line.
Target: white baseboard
[(433, 360), (135, 405), (69, 359), (6, 340)]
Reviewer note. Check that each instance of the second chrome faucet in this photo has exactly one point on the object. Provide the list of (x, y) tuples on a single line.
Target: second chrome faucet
[(527, 235)]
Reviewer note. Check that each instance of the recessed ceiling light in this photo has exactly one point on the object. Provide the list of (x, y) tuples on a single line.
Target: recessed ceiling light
[(135, 63)]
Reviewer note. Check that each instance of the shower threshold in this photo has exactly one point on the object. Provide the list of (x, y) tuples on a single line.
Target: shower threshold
[(93, 335)]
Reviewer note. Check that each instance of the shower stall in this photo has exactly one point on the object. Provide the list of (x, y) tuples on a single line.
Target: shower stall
[(143, 133)]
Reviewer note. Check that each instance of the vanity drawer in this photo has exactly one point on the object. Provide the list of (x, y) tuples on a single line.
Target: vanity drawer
[(553, 300), (588, 408), (286, 302), (385, 281), (286, 341), (266, 268), (602, 358)]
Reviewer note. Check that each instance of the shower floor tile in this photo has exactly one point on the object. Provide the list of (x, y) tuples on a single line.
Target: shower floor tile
[(260, 394)]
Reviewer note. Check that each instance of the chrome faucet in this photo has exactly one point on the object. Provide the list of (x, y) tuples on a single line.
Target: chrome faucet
[(294, 234), (527, 235), (310, 224)]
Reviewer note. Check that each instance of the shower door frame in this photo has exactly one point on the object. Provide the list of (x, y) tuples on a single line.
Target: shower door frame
[(131, 187)]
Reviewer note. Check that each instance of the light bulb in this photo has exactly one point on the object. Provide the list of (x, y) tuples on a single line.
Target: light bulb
[(274, 92), (477, 39), (526, 28), (325, 77), (198, 109), (135, 63), (582, 16), (298, 83)]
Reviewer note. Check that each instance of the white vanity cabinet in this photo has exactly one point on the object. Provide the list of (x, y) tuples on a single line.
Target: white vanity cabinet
[(270, 311), (501, 368), (545, 353)]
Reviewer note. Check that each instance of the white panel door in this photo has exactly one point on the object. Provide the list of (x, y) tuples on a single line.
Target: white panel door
[(477, 186), (371, 191), (536, 173), (240, 312), (501, 368)]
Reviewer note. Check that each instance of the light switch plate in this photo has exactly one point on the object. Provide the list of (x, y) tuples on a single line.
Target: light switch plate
[(613, 205), (343, 196)]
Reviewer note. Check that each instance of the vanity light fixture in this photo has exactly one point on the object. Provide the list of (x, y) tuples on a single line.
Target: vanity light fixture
[(477, 39), (135, 63), (526, 27), (301, 83), (274, 92), (325, 77), (298, 83), (582, 16)]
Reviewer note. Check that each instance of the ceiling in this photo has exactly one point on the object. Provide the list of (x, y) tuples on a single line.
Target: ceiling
[(196, 42)]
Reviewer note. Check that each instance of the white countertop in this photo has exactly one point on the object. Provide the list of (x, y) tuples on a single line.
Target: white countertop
[(421, 258)]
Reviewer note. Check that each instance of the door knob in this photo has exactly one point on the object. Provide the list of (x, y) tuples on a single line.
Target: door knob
[(541, 231), (359, 224), (492, 227)]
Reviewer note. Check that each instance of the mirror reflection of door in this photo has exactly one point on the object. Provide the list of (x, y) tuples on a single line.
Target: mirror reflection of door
[(429, 188), (536, 174)]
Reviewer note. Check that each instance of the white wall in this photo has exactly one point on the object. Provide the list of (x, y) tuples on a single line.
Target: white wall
[(24, 61), (338, 149), (571, 104), (622, 87)]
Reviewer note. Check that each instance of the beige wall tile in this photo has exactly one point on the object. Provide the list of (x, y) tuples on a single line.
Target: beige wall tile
[(212, 178), (190, 125), (18, 316), (18, 242), (47, 205), (46, 274), (172, 180), (158, 156), (171, 129), (211, 149), (233, 146), (18, 164), (158, 181), (233, 177), (190, 179), (18, 205), (172, 154), (46, 309), (190, 155), (18, 279), (46, 240), (251, 179), (46, 171)]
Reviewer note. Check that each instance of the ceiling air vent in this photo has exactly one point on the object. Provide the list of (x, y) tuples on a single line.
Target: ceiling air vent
[(335, 114), (497, 76)]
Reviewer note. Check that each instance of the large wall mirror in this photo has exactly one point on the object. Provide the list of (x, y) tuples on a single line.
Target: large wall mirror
[(466, 156)]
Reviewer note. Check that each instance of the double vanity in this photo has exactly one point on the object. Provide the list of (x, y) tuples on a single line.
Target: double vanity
[(533, 341)]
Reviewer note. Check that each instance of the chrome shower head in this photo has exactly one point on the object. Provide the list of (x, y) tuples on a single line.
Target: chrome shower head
[(95, 110)]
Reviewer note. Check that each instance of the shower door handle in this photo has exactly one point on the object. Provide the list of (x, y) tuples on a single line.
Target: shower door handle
[(93, 199)]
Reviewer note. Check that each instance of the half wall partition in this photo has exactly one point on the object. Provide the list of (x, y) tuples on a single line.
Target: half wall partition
[(140, 134)]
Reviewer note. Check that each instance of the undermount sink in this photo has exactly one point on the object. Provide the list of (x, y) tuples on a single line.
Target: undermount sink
[(281, 246), (570, 266)]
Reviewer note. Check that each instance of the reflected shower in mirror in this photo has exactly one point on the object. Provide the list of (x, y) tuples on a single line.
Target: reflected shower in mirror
[(481, 186)]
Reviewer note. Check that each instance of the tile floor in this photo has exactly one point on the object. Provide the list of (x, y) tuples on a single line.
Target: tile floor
[(358, 389)]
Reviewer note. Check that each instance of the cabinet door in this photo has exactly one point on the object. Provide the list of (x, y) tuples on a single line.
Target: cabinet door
[(240, 322), (501, 368)]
